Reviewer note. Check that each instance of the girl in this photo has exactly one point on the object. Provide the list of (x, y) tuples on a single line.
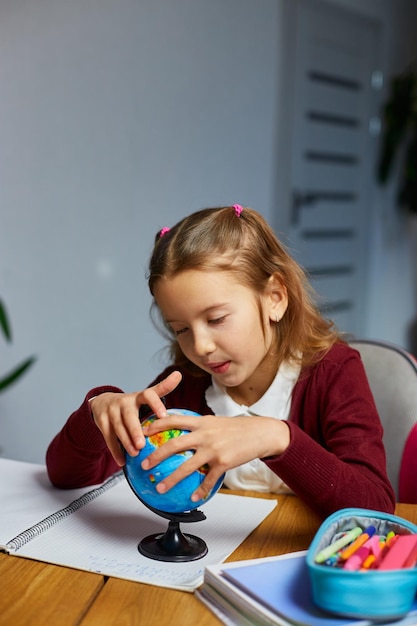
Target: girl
[(285, 403)]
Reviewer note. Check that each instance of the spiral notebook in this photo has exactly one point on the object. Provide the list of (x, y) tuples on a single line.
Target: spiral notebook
[(98, 529)]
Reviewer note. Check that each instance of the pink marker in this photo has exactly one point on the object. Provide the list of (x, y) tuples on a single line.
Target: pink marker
[(372, 546)]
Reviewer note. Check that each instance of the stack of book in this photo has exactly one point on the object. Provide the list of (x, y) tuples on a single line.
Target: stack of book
[(271, 591)]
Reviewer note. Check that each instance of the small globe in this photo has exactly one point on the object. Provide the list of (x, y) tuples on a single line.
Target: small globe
[(144, 482)]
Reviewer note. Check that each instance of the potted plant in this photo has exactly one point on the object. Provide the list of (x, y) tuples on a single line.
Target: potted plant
[(400, 133), (8, 379), (400, 136)]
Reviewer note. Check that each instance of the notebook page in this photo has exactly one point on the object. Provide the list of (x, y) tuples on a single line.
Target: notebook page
[(27, 496), (103, 537)]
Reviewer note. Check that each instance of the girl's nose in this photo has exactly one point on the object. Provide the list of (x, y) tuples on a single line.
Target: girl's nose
[(203, 344)]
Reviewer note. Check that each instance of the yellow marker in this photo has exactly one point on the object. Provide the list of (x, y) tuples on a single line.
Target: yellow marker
[(337, 545)]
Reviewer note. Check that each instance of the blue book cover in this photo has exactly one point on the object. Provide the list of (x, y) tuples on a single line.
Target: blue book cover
[(283, 586)]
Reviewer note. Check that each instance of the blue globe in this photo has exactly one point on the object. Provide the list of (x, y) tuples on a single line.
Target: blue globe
[(144, 482)]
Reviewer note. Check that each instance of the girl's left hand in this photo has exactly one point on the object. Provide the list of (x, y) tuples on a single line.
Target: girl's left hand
[(221, 442)]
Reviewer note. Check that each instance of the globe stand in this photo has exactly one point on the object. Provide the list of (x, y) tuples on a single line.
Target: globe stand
[(173, 545)]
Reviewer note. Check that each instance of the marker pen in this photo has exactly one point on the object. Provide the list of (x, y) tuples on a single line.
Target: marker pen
[(363, 538), (358, 558), (334, 547)]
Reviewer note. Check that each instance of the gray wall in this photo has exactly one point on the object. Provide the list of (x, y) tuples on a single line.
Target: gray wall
[(119, 117)]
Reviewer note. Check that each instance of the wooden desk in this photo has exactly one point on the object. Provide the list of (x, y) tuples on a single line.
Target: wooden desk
[(35, 594)]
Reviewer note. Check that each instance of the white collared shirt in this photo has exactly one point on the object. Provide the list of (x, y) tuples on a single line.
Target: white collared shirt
[(276, 402)]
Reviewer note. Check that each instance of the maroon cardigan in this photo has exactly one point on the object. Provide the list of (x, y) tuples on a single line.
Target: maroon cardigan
[(335, 459)]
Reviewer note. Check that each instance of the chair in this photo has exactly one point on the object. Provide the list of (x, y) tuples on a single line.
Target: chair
[(392, 375)]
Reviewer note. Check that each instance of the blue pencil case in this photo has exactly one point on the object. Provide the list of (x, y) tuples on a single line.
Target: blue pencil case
[(372, 594)]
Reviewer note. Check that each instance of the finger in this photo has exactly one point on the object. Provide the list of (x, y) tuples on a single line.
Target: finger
[(131, 431), (121, 424), (168, 384), (152, 396), (126, 441), (206, 487), (185, 469), (169, 448), (114, 446), (173, 421)]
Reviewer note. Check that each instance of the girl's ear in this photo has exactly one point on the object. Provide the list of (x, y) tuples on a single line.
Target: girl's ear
[(277, 295)]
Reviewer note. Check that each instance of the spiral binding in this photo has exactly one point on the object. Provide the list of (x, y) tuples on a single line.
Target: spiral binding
[(40, 527)]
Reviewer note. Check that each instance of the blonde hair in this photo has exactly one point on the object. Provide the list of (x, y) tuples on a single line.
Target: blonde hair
[(244, 245)]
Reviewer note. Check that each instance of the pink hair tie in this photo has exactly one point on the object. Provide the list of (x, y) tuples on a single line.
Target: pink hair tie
[(164, 231), (238, 209)]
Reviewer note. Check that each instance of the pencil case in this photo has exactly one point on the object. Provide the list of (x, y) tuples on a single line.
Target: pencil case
[(372, 594)]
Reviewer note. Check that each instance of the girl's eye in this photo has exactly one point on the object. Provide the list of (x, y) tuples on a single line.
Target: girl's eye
[(217, 320), (181, 331)]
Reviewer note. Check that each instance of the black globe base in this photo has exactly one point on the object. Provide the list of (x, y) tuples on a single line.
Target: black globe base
[(173, 545)]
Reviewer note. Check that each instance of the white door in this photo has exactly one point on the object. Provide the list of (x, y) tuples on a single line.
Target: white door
[(333, 155)]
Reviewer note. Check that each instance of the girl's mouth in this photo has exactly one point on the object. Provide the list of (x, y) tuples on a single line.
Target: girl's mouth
[(219, 368)]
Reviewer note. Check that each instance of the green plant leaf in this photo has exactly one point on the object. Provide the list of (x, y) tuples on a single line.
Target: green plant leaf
[(408, 190), (15, 374), (399, 114), (4, 322)]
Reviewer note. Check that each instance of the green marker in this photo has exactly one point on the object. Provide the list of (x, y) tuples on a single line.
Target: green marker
[(334, 547)]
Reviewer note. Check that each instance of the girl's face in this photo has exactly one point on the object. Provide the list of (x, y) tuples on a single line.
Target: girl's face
[(224, 328)]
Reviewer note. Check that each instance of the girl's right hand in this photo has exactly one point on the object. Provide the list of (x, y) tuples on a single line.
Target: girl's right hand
[(116, 415)]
